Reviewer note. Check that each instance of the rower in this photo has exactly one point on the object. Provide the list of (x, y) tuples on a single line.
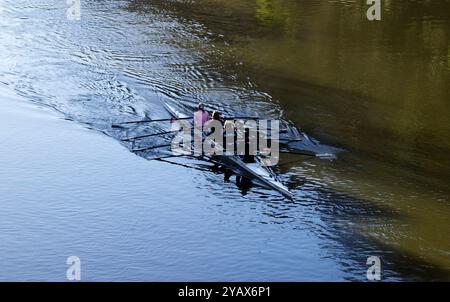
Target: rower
[(216, 117), (230, 141), (201, 116), (229, 137), (248, 157)]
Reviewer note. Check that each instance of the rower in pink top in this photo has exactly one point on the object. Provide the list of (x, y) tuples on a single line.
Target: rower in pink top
[(200, 116)]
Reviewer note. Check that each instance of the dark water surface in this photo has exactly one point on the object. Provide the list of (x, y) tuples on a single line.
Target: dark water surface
[(378, 90)]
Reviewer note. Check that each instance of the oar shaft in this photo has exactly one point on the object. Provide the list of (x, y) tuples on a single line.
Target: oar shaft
[(181, 118), (304, 152), (152, 121), (150, 148), (148, 135), (241, 118)]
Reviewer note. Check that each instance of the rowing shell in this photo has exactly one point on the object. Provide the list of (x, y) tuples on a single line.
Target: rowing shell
[(256, 171)]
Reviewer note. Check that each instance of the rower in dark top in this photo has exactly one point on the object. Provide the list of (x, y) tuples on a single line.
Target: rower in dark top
[(215, 117), (247, 158), (230, 142)]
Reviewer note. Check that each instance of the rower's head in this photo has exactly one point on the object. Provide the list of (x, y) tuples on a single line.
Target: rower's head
[(229, 125), (201, 106), (216, 115)]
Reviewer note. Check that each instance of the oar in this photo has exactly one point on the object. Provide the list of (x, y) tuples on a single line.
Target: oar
[(166, 156), (304, 152), (241, 118), (183, 165), (150, 148), (148, 135), (310, 153), (291, 140), (119, 125)]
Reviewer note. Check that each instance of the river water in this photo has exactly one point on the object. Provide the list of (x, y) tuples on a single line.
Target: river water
[(378, 90)]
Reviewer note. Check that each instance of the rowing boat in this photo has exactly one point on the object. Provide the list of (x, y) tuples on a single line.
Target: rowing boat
[(256, 171)]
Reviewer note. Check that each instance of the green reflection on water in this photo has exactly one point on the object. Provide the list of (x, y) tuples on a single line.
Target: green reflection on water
[(379, 89)]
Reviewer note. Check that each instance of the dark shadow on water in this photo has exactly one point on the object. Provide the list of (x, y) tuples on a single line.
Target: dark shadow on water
[(343, 215)]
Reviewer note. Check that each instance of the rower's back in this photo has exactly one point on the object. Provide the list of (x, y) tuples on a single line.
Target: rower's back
[(248, 157), (201, 116)]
